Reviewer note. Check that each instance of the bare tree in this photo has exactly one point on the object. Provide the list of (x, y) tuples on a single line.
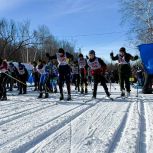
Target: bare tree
[(22, 40), (7, 34), (139, 16), (18, 42)]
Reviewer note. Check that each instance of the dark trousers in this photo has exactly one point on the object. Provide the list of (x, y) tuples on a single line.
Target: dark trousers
[(3, 81), (83, 78), (76, 80), (100, 79), (12, 81), (36, 80), (124, 80), (22, 86), (64, 76)]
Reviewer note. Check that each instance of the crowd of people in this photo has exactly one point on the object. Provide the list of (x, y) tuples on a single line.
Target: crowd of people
[(63, 68)]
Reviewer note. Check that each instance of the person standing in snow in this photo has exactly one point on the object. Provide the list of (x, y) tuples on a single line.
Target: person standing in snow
[(64, 70), (124, 69), (35, 75), (98, 67), (3, 79), (44, 83), (83, 68), (54, 78), (76, 76), (13, 71), (23, 77)]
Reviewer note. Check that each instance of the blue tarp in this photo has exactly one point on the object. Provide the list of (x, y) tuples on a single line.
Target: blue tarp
[(146, 53)]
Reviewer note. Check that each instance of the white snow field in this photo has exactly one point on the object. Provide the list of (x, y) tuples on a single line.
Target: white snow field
[(83, 125)]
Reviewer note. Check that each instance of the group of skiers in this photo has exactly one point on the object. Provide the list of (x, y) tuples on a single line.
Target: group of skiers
[(47, 75)]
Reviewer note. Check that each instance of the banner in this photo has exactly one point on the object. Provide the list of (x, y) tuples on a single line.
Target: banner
[(146, 53)]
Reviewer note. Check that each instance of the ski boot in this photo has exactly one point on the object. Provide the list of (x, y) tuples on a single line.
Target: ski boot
[(61, 97), (128, 94), (82, 91), (68, 97), (55, 90), (86, 90), (3, 98), (40, 95), (46, 95), (123, 93)]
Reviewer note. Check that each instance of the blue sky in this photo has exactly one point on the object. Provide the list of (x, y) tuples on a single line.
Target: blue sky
[(91, 24)]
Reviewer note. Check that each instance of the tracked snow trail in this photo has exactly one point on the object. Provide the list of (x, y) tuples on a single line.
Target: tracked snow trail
[(39, 127), (148, 106), (81, 130), (83, 125), (127, 136)]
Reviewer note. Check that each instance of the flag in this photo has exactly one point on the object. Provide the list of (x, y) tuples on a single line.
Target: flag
[(146, 53)]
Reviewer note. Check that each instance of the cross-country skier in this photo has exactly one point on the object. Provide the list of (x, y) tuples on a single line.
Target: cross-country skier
[(64, 70), (76, 75), (13, 71), (35, 75), (44, 83), (124, 69), (3, 79), (83, 68), (98, 68), (23, 77)]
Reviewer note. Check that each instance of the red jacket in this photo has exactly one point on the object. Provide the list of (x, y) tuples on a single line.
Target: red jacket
[(4, 67)]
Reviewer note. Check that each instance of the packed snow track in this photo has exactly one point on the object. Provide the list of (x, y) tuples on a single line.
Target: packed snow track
[(83, 125)]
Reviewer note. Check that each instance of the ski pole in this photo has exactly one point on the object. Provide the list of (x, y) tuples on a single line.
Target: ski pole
[(15, 79), (111, 83)]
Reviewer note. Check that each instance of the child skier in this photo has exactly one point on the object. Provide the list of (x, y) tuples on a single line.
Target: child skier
[(83, 73), (23, 77), (98, 68), (64, 70), (124, 69), (76, 76), (3, 79)]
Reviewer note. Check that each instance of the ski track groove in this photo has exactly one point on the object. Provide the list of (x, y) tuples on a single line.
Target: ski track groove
[(144, 123), (120, 139), (45, 141), (102, 120), (149, 124), (26, 111), (15, 101), (141, 139), (140, 142), (40, 145), (148, 127), (108, 125), (117, 135), (45, 134)]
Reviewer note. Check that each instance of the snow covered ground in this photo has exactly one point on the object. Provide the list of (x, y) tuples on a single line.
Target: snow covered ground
[(83, 125)]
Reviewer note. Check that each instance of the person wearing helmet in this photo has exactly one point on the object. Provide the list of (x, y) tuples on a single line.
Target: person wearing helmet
[(124, 69), (64, 68), (98, 68), (83, 69)]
